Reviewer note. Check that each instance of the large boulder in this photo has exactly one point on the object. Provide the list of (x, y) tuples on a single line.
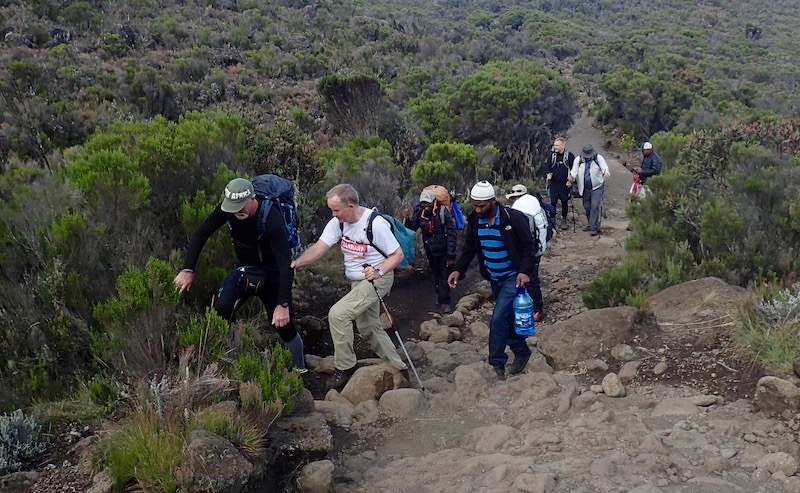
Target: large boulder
[(585, 335), (684, 302), (368, 384), (776, 396), (211, 463), (316, 477)]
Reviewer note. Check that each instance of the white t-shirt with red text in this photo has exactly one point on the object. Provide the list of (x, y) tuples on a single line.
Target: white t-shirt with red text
[(355, 247)]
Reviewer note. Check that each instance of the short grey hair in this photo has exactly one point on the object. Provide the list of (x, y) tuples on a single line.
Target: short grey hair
[(560, 139), (345, 192)]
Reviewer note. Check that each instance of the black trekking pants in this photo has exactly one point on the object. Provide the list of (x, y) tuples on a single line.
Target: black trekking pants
[(232, 294), (440, 272), (560, 195), (534, 287)]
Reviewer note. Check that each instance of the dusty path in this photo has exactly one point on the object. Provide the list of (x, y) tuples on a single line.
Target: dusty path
[(547, 433)]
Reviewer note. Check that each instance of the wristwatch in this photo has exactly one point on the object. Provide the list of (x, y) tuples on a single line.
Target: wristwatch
[(285, 304), (379, 271)]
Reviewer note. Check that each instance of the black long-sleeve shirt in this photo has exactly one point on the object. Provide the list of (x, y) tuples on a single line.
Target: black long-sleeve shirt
[(559, 165), (270, 251)]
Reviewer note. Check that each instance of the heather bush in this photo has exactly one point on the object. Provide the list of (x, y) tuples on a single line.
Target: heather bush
[(614, 286), (139, 325), (745, 178), (367, 165)]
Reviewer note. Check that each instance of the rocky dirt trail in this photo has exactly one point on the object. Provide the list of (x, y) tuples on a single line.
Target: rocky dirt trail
[(671, 411)]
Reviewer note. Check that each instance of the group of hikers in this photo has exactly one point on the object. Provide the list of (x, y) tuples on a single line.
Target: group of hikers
[(508, 241)]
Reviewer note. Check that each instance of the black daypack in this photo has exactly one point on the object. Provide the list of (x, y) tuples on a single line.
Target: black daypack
[(274, 190), (550, 213)]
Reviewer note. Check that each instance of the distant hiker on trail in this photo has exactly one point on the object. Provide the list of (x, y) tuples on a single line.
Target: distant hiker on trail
[(589, 172), (439, 236), (364, 263), (262, 262), (537, 221), (651, 166), (559, 163), (501, 238)]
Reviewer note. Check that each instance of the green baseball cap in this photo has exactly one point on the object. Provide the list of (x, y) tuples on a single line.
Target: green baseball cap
[(237, 192)]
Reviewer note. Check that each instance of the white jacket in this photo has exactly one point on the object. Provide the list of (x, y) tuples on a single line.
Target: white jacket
[(529, 205), (597, 170)]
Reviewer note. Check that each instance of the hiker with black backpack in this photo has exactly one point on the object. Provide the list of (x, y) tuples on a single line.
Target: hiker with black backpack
[(439, 236), (534, 211), (371, 253), (559, 163), (258, 229), (589, 173)]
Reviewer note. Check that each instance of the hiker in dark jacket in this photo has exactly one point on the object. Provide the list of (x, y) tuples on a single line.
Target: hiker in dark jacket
[(439, 235), (559, 163), (267, 257), (502, 240), (651, 163)]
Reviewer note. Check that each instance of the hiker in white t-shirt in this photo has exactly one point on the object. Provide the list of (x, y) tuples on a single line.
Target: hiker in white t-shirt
[(364, 264), (537, 220)]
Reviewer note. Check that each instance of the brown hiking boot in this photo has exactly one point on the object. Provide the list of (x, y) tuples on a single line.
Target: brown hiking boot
[(340, 378)]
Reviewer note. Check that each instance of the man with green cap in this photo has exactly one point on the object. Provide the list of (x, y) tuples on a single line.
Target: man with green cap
[(266, 256)]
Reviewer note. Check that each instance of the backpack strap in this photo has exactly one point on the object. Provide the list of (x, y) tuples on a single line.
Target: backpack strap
[(263, 211), (370, 235)]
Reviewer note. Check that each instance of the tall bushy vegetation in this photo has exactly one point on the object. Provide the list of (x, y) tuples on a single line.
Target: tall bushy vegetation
[(517, 106), (455, 166), (108, 207), (367, 165), (732, 198)]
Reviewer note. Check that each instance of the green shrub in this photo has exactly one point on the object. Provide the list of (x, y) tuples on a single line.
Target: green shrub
[(145, 452), (114, 45), (19, 441), (764, 340), (139, 325), (627, 142), (104, 393), (247, 437), (272, 371), (207, 336), (613, 286)]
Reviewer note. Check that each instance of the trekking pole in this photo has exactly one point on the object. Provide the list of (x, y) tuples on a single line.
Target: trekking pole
[(396, 332)]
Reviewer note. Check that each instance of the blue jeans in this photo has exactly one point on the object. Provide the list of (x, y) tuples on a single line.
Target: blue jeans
[(501, 327)]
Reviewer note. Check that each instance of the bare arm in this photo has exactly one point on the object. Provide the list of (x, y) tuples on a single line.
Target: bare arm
[(388, 265), (311, 255)]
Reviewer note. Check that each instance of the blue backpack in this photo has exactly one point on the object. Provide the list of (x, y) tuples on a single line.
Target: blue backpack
[(550, 212), (458, 215), (405, 237), (272, 189)]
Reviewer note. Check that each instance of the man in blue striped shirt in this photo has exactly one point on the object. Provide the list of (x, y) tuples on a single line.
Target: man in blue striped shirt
[(502, 240)]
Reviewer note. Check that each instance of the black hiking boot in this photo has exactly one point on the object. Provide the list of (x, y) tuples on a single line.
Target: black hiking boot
[(340, 378), (500, 371), (519, 364)]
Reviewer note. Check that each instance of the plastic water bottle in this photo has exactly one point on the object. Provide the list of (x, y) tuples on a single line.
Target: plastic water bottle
[(523, 313)]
